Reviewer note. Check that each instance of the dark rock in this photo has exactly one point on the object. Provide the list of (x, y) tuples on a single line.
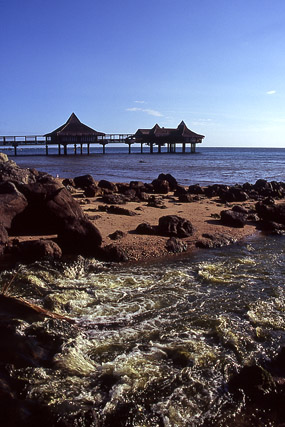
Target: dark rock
[(92, 191), (149, 188), (210, 241), (233, 194), (155, 202), (131, 195), (161, 186), (108, 185), (114, 199), (135, 185), (215, 190), (195, 189), (68, 182), (118, 234), (185, 198), (10, 171), (170, 179), (261, 183), (113, 253), (79, 236), (233, 219), (241, 209), (180, 190), (116, 210), (84, 181), (12, 203), (175, 245), (271, 212), (144, 197), (145, 228), (35, 250), (255, 381), (4, 238), (173, 225), (122, 187)]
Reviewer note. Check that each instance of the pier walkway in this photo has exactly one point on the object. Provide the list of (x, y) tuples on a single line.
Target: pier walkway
[(83, 147)]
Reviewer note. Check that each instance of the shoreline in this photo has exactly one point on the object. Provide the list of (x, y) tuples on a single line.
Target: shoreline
[(57, 218), (147, 249)]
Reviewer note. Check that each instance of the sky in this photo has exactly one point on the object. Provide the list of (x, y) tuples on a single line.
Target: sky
[(120, 65)]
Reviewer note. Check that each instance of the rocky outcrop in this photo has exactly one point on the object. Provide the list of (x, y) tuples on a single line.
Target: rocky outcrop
[(176, 245), (170, 179), (35, 202), (233, 219), (272, 216), (174, 226), (210, 241), (161, 186), (35, 250)]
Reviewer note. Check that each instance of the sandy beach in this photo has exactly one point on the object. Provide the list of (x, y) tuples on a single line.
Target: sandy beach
[(203, 214)]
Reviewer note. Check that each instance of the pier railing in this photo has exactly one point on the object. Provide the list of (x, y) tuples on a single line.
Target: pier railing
[(78, 142)]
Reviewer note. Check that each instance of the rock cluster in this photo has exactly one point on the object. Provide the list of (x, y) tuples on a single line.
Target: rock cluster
[(33, 202)]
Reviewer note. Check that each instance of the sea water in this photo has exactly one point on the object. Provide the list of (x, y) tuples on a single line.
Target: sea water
[(155, 345), (207, 166)]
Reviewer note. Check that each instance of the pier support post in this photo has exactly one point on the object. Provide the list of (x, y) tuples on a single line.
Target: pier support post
[(151, 148), (159, 149), (141, 148), (65, 149), (15, 149), (193, 148), (59, 149), (46, 150), (183, 148), (88, 149), (81, 149), (129, 148)]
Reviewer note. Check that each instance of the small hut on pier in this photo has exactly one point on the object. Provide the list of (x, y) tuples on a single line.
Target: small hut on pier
[(73, 132), (161, 136)]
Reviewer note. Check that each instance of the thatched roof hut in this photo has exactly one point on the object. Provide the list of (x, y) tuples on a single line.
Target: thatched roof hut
[(160, 135), (74, 131)]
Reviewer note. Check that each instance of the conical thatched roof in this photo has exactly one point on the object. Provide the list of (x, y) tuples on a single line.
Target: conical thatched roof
[(74, 127)]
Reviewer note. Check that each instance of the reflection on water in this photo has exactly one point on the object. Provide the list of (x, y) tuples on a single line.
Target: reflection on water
[(155, 345)]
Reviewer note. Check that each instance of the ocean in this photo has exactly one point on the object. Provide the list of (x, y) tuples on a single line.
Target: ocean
[(207, 166), (156, 344)]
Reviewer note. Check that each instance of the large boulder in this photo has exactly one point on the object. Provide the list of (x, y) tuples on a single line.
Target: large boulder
[(84, 181), (79, 236), (12, 203), (271, 212), (10, 171), (233, 219), (171, 180), (174, 225), (107, 185), (161, 186), (34, 250)]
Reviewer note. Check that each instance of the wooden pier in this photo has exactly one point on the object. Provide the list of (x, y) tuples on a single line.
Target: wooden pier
[(76, 134), (16, 143)]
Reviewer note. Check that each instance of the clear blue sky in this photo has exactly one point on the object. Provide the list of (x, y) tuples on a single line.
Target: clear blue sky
[(219, 65)]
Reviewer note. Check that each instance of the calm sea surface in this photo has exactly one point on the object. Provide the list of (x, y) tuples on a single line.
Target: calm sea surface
[(156, 345), (207, 166)]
